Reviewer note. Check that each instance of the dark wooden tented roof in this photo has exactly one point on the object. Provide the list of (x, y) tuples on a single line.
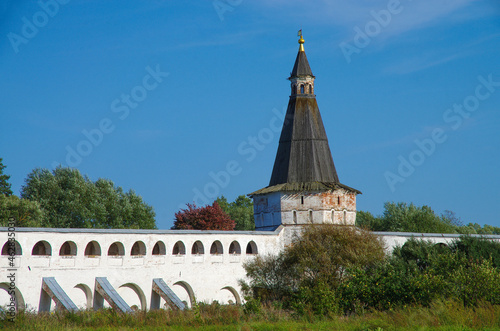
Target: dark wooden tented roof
[(303, 152), (304, 161), (301, 66)]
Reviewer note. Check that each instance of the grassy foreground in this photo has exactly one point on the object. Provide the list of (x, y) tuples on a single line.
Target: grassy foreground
[(439, 316)]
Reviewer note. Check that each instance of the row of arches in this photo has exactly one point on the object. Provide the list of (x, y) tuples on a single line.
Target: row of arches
[(132, 293), (92, 249), (302, 88)]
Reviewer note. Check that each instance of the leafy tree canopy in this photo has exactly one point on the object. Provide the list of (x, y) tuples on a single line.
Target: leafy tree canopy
[(5, 186), (401, 217), (240, 210), (26, 213), (70, 200), (316, 261), (203, 218)]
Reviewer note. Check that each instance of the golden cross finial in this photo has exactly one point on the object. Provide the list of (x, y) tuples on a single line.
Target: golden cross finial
[(301, 40)]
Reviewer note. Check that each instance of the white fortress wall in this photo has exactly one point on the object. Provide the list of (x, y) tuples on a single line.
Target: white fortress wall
[(208, 274), (196, 265)]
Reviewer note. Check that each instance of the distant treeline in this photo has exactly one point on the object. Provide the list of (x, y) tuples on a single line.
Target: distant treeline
[(401, 217)]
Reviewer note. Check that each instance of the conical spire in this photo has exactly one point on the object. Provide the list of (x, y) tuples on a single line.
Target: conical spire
[(303, 153), (301, 67), (303, 161)]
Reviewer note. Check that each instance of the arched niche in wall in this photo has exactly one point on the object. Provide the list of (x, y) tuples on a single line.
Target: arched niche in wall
[(9, 248), (68, 248), (92, 249), (126, 291), (179, 248), (159, 248), (216, 248), (19, 303), (235, 248), (87, 293), (188, 292), (252, 248), (116, 249), (138, 249), (198, 248), (234, 293), (42, 248)]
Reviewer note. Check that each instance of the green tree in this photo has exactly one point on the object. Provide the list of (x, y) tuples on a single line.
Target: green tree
[(307, 274), (401, 217), (70, 200), (240, 210), (478, 249), (421, 272), (365, 219), (26, 213), (5, 186)]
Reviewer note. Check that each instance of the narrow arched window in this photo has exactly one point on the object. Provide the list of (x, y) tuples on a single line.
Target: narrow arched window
[(159, 248), (139, 248), (345, 217), (294, 213), (179, 248), (216, 248), (10, 248), (42, 248), (310, 89), (93, 249), (310, 216), (116, 249), (251, 248), (197, 248), (301, 89), (234, 248), (68, 249)]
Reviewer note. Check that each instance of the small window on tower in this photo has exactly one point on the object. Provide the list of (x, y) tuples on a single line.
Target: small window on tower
[(310, 89), (301, 89), (302, 199), (338, 200)]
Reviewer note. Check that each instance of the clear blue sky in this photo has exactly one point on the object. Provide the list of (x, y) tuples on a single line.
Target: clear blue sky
[(182, 89)]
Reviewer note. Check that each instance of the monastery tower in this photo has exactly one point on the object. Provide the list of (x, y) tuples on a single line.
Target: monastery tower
[(304, 186)]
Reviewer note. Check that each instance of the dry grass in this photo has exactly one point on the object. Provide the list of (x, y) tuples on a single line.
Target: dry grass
[(449, 315)]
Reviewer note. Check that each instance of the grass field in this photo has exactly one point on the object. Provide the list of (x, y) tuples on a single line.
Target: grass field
[(439, 316)]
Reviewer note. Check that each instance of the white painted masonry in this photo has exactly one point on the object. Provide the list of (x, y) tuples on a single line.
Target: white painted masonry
[(198, 276), (201, 277)]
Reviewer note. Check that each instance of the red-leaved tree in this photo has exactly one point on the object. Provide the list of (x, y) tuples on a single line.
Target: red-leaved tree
[(203, 218)]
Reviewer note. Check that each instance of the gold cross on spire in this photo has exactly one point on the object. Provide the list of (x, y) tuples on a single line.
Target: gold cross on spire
[(301, 40)]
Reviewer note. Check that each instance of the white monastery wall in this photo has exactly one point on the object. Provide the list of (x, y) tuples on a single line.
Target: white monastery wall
[(208, 272), (208, 275)]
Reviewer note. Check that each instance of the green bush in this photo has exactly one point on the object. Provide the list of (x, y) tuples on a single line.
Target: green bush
[(306, 276), (420, 273)]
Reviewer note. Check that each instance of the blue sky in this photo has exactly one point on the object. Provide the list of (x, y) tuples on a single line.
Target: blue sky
[(180, 100)]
